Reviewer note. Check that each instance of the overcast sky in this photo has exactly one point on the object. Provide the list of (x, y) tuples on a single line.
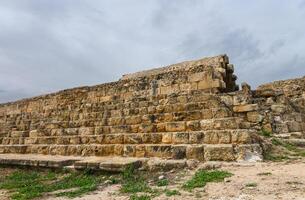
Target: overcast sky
[(49, 45)]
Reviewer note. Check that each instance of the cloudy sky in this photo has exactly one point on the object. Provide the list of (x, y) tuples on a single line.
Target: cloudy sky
[(49, 45)]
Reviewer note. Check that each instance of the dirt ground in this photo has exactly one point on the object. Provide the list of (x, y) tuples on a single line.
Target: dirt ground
[(255, 181)]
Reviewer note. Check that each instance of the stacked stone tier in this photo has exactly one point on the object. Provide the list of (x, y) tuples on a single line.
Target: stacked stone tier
[(192, 125)]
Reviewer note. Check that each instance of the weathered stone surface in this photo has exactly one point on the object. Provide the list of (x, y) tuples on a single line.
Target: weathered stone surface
[(188, 110), (219, 152), (245, 108)]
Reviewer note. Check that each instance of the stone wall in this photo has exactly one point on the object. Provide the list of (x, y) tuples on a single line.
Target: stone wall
[(189, 110)]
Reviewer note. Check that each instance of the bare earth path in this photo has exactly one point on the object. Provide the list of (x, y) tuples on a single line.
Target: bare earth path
[(259, 181), (254, 181)]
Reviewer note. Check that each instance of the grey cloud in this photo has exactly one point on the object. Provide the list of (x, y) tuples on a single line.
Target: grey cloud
[(51, 45)]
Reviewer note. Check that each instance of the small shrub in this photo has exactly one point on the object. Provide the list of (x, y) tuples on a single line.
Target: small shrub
[(141, 197), (163, 182), (202, 177), (172, 193), (265, 133), (133, 183)]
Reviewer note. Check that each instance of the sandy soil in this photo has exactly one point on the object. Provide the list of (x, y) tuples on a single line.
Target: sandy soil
[(269, 181), (278, 181)]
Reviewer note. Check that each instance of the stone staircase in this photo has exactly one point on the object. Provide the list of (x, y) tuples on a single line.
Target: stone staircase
[(193, 125)]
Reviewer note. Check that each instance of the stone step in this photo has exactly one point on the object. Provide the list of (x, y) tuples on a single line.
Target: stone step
[(178, 126), (113, 164), (226, 152), (297, 142), (240, 136), (34, 160), (110, 164)]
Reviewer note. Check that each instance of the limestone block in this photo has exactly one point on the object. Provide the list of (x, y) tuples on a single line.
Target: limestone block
[(118, 150), (167, 138), (140, 151), (196, 137), (249, 153), (170, 89), (114, 139), (227, 100), (254, 117), (133, 120), (195, 152), (147, 128), (245, 108), (193, 115), (179, 152), (113, 121), (240, 99), (207, 114), (185, 86), (179, 107), (151, 109), (33, 133), (278, 108), (153, 138), (180, 138), (182, 99), (161, 127), (219, 153), (196, 77), (241, 137), (120, 129), (132, 139), (105, 98), (193, 125), (221, 112), (175, 126), (86, 131), (19, 134), (165, 165), (162, 151), (207, 84), (294, 126), (129, 150)]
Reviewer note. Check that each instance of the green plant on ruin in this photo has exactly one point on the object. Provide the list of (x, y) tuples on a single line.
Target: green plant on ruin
[(202, 177), (265, 133), (26, 185)]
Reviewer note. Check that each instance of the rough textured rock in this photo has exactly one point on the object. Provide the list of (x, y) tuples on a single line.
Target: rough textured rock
[(190, 110)]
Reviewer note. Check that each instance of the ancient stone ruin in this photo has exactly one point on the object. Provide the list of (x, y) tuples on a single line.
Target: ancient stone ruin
[(191, 110)]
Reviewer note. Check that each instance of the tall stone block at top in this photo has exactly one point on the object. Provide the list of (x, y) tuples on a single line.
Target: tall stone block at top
[(213, 74)]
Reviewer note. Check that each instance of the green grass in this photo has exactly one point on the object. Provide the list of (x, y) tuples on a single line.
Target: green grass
[(290, 147), (170, 193), (275, 158), (25, 185), (251, 185), (133, 183), (163, 182), (202, 177), (265, 133), (141, 197), (264, 174)]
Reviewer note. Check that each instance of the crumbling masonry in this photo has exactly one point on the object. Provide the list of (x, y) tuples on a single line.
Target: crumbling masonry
[(190, 110)]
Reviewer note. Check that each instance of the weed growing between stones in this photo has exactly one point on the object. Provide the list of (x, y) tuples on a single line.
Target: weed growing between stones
[(265, 133), (202, 177)]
